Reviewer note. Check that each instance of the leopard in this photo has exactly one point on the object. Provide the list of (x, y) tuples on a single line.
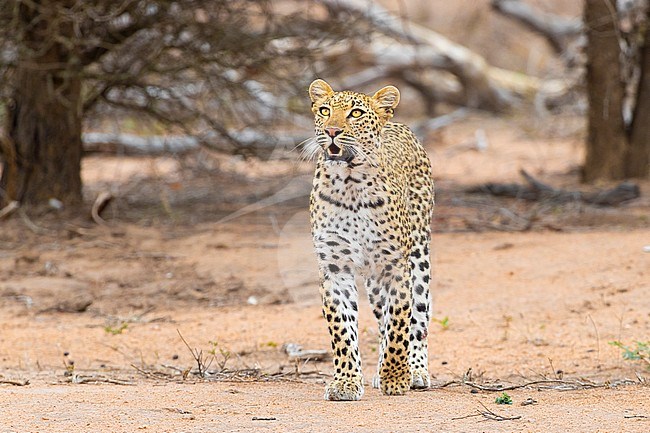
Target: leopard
[(370, 208)]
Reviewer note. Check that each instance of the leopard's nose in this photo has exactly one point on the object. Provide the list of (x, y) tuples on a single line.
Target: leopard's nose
[(333, 131)]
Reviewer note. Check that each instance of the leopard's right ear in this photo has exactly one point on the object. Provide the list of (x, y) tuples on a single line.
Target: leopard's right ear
[(319, 90)]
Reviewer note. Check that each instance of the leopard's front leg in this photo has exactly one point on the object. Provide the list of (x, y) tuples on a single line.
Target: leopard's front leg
[(391, 299), (340, 298)]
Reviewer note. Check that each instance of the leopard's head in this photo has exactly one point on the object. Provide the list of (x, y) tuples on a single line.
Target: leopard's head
[(349, 124)]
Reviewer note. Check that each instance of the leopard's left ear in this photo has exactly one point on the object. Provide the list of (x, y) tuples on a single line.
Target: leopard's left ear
[(386, 99)]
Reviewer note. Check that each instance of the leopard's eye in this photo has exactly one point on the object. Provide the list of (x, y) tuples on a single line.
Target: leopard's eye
[(356, 113), (324, 111)]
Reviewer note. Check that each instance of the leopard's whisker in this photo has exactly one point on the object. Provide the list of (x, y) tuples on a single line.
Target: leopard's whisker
[(303, 143), (310, 148)]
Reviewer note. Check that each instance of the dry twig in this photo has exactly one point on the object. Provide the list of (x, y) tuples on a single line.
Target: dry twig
[(99, 205), (9, 209), (31, 225), (202, 362), (95, 378), (489, 414)]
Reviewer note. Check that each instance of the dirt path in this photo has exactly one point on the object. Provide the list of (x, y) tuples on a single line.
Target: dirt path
[(291, 407), (519, 306), (79, 302)]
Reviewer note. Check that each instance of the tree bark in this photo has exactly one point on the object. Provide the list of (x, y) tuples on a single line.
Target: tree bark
[(638, 157), (42, 152), (606, 138)]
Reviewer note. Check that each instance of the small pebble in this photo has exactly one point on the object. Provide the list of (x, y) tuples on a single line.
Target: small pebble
[(646, 249)]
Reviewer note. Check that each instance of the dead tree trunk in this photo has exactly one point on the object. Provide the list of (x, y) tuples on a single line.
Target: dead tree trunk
[(638, 156), (42, 152), (606, 138)]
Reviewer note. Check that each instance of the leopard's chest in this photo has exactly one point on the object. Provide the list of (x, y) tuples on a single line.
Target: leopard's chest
[(349, 218)]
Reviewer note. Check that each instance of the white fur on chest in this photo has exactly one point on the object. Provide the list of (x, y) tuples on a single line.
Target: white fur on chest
[(355, 233), (352, 202)]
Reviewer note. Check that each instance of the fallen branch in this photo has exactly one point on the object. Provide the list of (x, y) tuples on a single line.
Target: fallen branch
[(14, 382), (550, 384), (422, 128), (131, 144), (536, 190), (421, 49), (296, 352), (624, 192), (556, 29), (248, 141)]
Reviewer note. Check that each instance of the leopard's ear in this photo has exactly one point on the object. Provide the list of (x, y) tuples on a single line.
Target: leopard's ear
[(319, 90), (386, 99)]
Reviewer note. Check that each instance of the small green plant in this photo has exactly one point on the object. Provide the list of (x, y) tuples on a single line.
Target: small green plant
[(504, 398), (639, 353), (225, 354), (444, 322), (117, 329)]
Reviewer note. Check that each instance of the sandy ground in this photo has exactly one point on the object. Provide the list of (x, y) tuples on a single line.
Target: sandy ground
[(91, 315)]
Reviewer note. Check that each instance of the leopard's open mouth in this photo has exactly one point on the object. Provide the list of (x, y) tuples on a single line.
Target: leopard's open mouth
[(334, 150)]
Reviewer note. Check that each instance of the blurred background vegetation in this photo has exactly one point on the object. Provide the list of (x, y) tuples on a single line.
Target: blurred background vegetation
[(154, 77)]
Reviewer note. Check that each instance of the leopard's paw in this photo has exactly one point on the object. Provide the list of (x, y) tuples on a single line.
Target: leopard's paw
[(421, 379), (344, 389)]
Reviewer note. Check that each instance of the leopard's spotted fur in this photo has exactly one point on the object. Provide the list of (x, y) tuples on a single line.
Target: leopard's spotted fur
[(370, 211)]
